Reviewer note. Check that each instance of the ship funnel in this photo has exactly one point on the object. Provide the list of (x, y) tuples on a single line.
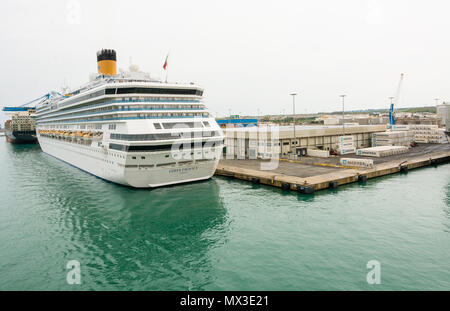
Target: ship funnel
[(106, 62)]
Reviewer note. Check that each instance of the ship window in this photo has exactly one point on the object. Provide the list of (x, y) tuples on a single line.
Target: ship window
[(162, 136), (118, 147), (185, 146), (210, 134), (149, 148), (137, 90), (157, 126), (182, 125)]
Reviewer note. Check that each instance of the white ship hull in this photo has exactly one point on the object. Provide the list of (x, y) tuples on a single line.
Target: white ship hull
[(130, 129), (154, 171)]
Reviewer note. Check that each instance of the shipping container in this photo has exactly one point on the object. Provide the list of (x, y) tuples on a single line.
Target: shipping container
[(318, 153), (382, 151), (364, 163)]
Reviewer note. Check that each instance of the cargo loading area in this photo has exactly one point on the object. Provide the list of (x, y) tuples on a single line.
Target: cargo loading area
[(316, 173)]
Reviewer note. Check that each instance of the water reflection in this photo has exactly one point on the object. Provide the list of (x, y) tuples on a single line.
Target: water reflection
[(21, 147), (17, 153), (305, 197), (446, 207), (129, 238)]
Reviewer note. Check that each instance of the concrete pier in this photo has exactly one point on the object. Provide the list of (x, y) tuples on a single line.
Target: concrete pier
[(311, 175)]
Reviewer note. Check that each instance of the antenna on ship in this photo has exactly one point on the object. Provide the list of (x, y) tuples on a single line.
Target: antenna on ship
[(133, 67), (65, 87)]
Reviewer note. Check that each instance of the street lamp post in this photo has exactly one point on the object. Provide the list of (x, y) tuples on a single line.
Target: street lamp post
[(293, 117), (343, 115), (257, 119)]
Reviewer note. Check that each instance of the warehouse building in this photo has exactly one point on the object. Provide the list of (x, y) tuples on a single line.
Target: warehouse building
[(252, 142)]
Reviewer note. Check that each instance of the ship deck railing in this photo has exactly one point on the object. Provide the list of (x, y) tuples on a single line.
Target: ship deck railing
[(123, 110), (131, 101), (120, 119)]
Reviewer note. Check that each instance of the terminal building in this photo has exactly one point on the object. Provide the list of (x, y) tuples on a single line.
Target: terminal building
[(250, 142)]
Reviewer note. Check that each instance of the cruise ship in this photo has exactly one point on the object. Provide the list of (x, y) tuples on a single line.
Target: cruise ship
[(131, 129)]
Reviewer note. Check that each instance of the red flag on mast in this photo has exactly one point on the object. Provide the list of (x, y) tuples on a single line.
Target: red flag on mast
[(165, 63)]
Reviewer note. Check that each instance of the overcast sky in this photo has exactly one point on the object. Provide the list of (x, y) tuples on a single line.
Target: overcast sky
[(248, 55)]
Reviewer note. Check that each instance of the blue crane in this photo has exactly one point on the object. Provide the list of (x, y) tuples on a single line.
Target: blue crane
[(24, 106), (396, 100)]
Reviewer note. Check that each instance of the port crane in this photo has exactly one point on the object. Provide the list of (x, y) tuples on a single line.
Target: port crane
[(395, 101), (26, 107)]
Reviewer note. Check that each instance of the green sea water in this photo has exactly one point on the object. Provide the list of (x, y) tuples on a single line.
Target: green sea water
[(219, 234)]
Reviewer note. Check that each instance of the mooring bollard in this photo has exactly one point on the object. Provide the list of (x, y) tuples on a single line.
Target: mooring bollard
[(305, 189), (285, 186), (362, 178), (333, 184)]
